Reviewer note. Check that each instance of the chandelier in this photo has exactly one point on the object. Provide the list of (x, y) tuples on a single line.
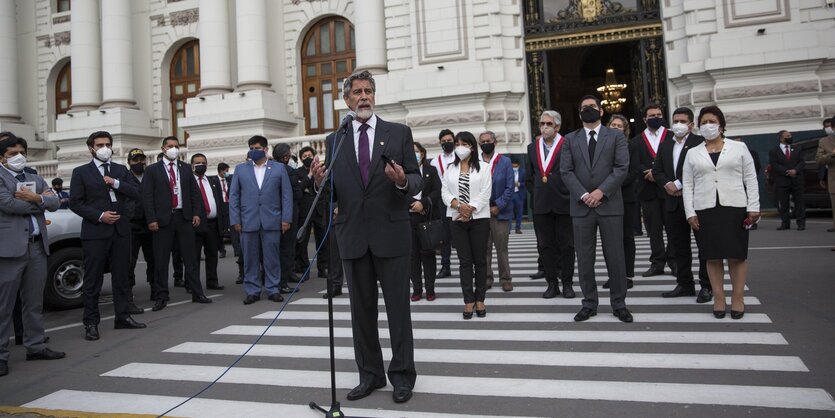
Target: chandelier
[(611, 91)]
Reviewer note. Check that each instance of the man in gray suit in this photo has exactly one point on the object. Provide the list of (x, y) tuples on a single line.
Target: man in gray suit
[(24, 250), (593, 166)]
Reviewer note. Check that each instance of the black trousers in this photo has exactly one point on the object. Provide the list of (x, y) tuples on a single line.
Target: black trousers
[(235, 237), (678, 236), (446, 249), (363, 274), (421, 259), (99, 254), (471, 244), (208, 242), (180, 234), (653, 211), (630, 210), (793, 189), (287, 254), (141, 238), (17, 317), (177, 262), (555, 243), (317, 224), (336, 272)]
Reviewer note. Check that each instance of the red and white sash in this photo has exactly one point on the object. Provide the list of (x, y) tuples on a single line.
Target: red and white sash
[(492, 162), (546, 162), (662, 133)]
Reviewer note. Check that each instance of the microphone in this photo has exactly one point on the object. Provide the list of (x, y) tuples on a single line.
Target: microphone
[(346, 121)]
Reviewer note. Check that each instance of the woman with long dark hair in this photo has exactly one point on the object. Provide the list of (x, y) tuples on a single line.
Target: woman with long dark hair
[(424, 207), (466, 193)]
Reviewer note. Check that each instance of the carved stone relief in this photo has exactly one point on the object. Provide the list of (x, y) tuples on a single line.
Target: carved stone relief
[(784, 113), (767, 90), (446, 119)]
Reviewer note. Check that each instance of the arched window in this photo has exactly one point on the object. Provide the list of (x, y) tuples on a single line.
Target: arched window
[(63, 90), (328, 57), (185, 82)]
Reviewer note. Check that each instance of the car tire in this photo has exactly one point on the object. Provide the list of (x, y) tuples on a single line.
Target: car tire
[(65, 275)]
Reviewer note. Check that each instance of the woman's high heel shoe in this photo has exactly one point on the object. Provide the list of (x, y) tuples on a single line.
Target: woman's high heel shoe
[(481, 313), (468, 314), (719, 314), (737, 314)]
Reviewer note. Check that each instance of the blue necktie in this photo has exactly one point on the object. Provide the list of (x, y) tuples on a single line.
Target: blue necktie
[(21, 178)]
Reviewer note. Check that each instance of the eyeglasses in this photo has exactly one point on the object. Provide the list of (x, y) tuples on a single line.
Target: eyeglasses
[(546, 123)]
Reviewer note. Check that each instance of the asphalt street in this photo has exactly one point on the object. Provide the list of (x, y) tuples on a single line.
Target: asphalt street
[(527, 358)]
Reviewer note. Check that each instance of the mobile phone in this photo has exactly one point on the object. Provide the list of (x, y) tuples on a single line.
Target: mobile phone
[(387, 160)]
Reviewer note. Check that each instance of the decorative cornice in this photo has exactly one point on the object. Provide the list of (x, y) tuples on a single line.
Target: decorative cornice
[(446, 119), (218, 143), (828, 84), (593, 37), (159, 19), (705, 96), (762, 90), (784, 113)]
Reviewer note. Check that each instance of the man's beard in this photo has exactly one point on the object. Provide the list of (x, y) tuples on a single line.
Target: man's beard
[(365, 113)]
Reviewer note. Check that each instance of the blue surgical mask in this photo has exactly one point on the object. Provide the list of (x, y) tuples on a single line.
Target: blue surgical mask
[(256, 154), (417, 155)]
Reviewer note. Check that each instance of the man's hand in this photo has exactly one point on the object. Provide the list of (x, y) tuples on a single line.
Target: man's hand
[(195, 221), (416, 207), (395, 172), (791, 173), (594, 199), (153, 226), (49, 193), (694, 222), (671, 189), (754, 217), (28, 196), (494, 210), (237, 228), (648, 175), (109, 181), (317, 169), (285, 227), (110, 217)]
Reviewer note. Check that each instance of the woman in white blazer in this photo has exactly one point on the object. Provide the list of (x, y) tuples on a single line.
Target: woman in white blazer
[(466, 193), (721, 201)]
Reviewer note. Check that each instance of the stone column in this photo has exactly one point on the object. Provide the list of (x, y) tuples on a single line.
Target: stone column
[(253, 66), (370, 31), (9, 108), (85, 52), (117, 80), (215, 73)]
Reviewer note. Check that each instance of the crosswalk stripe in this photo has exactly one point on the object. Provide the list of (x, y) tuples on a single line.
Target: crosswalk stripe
[(604, 301), (538, 287), (129, 403), (527, 358), (659, 337), (684, 393), (668, 317)]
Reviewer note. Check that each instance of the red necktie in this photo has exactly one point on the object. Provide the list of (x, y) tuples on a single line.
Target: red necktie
[(788, 152), (205, 199), (172, 183)]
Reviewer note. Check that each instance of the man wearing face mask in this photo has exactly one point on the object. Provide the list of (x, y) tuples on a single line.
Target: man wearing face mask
[(447, 157), (645, 148), (594, 163), (173, 209), (501, 209), (787, 163), (141, 237), (551, 207), (58, 189), (825, 157), (318, 220), (667, 171), (24, 250), (261, 197), (208, 234), (103, 194), (287, 247)]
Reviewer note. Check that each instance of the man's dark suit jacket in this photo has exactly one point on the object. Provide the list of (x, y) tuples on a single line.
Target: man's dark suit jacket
[(431, 194), (156, 193), (90, 196), (606, 171), (373, 216), (779, 165), (664, 172), (647, 190), (222, 215), (553, 196)]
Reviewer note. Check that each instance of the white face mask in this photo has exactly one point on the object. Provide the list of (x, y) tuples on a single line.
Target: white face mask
[(680, 129), (172, 153), (462, 152), (546, 131), (829, 131), (710, 131), (16, 163), (104, 153)]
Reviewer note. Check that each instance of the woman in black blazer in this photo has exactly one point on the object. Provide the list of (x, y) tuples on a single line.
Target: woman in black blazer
[(425, 206), (630, 201)]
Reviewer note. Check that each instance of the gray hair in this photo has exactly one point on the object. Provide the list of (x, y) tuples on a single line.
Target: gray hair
[(491, 133), (553, 114), (362, 75)]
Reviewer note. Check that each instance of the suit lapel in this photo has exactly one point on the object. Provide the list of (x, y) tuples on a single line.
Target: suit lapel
[(602, 140), (583, 144), (348, 155)]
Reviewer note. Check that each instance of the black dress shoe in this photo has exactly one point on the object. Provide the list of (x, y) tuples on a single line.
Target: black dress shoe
[(584, 314), (401, 394), (737, 314), (538, 275), (444, 272), (128, 323), (783, 227), (335, 293), (293, 278), (323, 273), (179, 283), (364, 389), (801, 227), (680, 291), (159, 305), (567, 291), (214, 287), (135, 310), (630, 283), (276, 297), (705, 295), (653, 271), (91, 332), (606, 285), (250, 299), (45, 354), (200, 299), (285, 289), (18, 340), (830, 230), (4, 367), (552, 291), (239, 280), (623, 314)]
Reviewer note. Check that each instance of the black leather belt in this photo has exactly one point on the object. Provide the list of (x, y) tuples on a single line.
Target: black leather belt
[(177, 210)]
